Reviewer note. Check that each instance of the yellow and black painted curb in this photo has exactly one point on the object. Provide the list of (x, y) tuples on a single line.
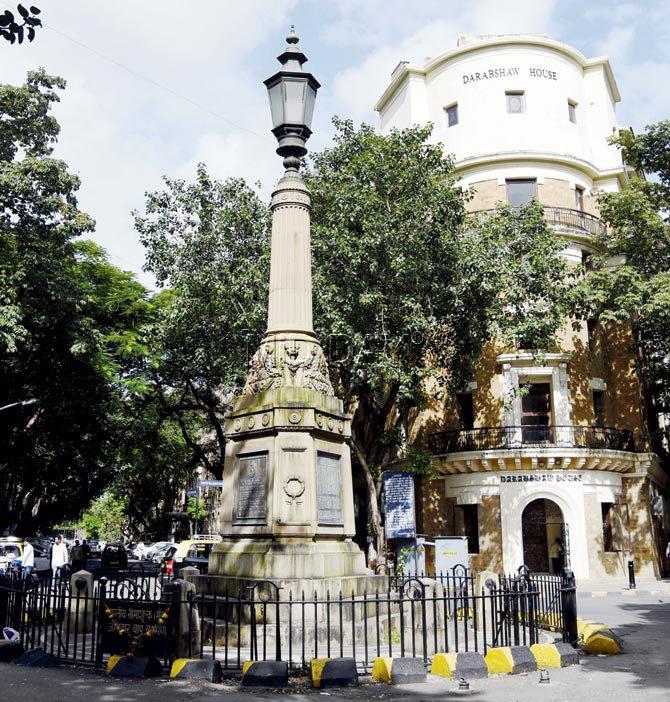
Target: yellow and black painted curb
[(131, 667), (333, 672), (265, 674), (468, 665), (556, 655), (398, 671), (598, 638), (510, 660), (197, 669)]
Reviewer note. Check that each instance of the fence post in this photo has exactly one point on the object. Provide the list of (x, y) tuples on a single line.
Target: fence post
[(102, 618), (631, 575), (569, 607)]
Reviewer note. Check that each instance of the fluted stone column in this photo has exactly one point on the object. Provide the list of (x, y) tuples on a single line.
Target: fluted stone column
[(287, 510), (290, 299)]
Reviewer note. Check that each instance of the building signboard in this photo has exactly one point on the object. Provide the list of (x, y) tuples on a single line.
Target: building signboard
[(399, 504), (141, 627), (328, 488), (541, 478)]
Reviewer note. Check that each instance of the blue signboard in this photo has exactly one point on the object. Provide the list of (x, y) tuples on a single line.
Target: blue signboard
[(399, 504), (192, 492), (210, 483)]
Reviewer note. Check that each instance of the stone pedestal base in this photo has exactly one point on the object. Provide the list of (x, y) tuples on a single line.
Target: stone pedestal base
[(282, 559)]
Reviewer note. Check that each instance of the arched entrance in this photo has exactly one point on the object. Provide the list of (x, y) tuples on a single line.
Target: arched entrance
[(542, 523)]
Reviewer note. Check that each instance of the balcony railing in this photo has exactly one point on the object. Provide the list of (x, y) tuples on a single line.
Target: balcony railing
[(508, 438), (566, 219)]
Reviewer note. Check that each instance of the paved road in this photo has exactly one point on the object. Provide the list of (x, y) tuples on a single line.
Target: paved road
[(641, 673)]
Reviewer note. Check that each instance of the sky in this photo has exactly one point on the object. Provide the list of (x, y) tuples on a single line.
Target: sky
[(155, 87)]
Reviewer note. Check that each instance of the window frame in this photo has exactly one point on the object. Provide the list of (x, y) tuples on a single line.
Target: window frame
[(607, 516), (572, 110), (466, 410), (520, 180), (579, 198), (447, 109), (519, 94)]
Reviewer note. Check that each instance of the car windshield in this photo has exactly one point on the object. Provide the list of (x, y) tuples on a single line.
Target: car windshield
[(10, 550)]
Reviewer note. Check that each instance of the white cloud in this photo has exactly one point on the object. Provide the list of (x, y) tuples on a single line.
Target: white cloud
[(358, 87)]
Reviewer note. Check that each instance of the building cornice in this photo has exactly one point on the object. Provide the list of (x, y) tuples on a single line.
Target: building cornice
[(570, 160), (405, 70)]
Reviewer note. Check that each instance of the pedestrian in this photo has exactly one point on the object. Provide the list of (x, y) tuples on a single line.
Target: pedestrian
[(87, 552), (28, 558), (556, 553), (77, 556), (59, 557)]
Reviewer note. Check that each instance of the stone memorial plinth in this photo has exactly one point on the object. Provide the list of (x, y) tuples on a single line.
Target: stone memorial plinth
[(287, 501)]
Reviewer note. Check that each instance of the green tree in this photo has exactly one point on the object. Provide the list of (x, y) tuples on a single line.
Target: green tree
[(630, 280), (207, 241), (105, 518), (69, 326), (407, 290)]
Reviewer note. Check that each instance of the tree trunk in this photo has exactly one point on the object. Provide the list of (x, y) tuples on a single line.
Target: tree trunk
[(373, 498)]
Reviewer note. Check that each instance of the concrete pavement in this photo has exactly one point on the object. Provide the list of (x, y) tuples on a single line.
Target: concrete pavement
[(641, 673)]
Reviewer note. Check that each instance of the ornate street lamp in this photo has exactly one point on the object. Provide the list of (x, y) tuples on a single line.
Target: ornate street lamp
[(292, 94)]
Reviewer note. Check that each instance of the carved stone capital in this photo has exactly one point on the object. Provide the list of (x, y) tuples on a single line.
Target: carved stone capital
[(291, 362)]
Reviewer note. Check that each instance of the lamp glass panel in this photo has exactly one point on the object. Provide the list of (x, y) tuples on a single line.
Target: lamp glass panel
[(310, 99), (294, 101), (275, 94)]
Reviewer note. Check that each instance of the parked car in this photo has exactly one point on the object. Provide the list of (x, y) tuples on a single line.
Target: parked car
[(11, 550), (95, 547), (197, 556), (159, 550), (114, 555)]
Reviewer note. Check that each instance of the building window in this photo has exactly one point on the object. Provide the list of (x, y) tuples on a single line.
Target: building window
[(572, 111), (536, 413), (607, 512), (599, 408), (520, 192), (579, 199), (468, 522), (516, 103), (466, 410), (452, 115)]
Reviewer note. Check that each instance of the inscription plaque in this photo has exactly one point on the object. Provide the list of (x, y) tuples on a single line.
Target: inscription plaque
[(252, 479), (328, 488)]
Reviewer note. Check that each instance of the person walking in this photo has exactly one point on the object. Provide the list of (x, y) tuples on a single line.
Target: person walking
[(28, 558), (77, 556), (59, 557), (87, 552)]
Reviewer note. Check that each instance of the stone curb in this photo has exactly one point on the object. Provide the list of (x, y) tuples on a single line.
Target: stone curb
[(510, 660), (468, 665), (197, 669), (598, 638), (558, 655), (398, 671), (333, 672), (265, 674), (124, 667)]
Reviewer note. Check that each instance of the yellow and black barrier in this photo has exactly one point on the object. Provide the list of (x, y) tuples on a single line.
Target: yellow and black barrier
[(265, 674), (556, 655), (333, 672), (467, 665), (131, 667), (197, 669), (510, 660), (598, 638), (398, 671)]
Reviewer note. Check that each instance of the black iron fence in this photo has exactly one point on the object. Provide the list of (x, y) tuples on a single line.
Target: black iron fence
[(501, 438), (257, 620), (564, 218)]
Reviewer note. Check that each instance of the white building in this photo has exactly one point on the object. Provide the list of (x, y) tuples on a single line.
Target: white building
[(529, 118)]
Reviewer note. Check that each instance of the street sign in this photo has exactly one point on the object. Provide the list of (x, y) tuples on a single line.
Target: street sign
[(192, 492), (210, 483), (399, 504)]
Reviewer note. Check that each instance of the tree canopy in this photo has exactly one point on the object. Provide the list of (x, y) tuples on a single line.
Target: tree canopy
[(630, 280)]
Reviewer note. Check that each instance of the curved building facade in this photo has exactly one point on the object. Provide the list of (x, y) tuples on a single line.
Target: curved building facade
[(567, 458)]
